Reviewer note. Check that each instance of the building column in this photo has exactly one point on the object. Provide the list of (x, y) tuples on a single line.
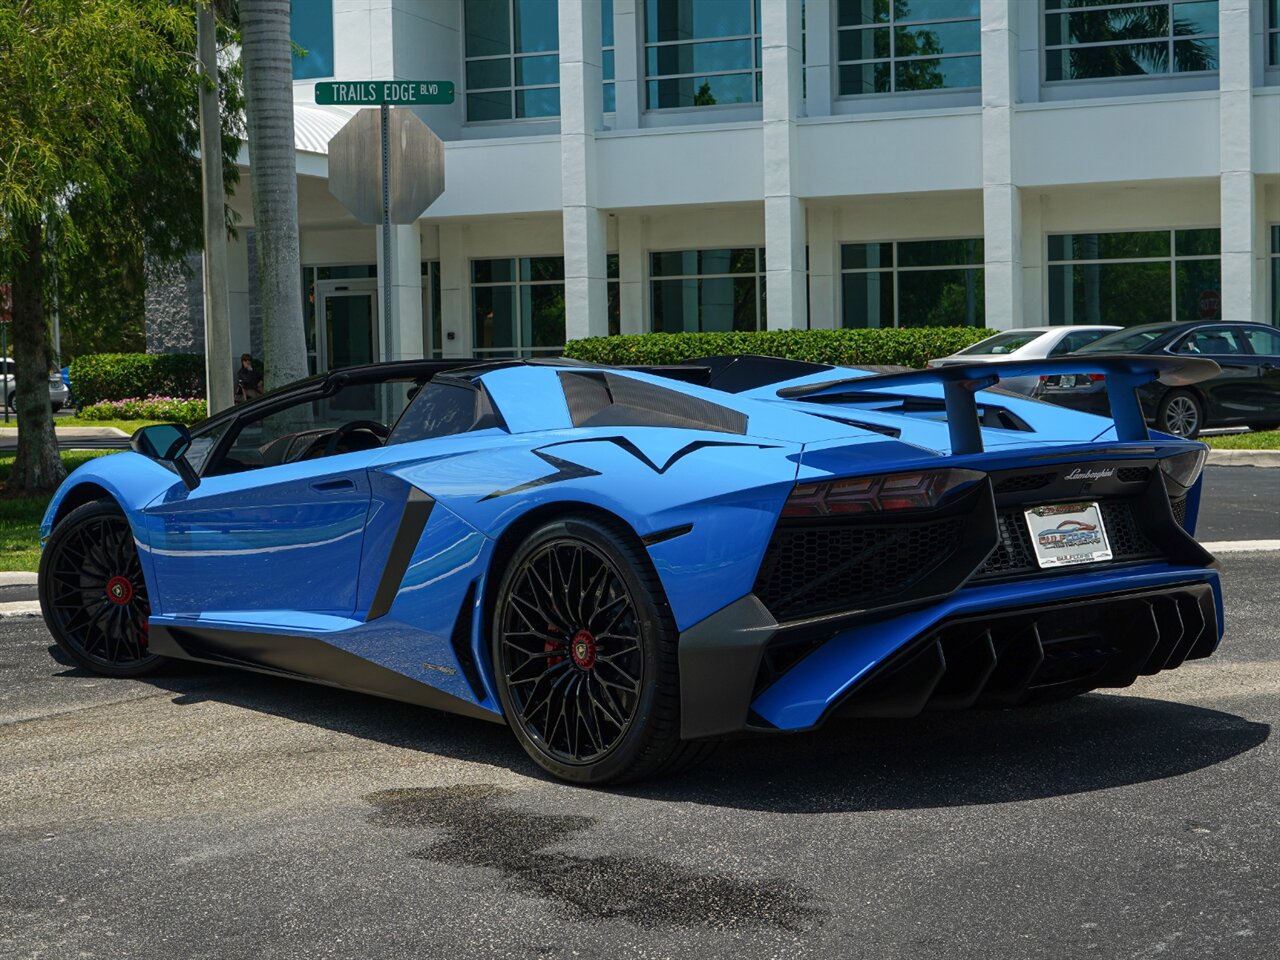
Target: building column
[(824, 268), (628, 84), (632, 275), (1001, 202), (819, 17), (406, 294), (585, 283), (784, 227), (455, 292), (1241, 292)]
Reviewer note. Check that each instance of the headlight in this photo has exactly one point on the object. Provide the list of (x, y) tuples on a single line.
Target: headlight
[(894, 491), (1184, 469)]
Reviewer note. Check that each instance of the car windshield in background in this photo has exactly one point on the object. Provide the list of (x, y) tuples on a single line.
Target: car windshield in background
[(1000, 343), (1126, 340)]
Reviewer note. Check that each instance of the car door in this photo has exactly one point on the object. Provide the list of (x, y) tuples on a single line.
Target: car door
[(1232, 396), (1265, 345), (275, 528)]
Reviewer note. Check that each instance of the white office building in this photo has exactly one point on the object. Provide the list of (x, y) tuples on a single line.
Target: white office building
[(682, 165)]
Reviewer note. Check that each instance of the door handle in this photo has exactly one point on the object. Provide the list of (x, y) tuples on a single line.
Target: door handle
[(333, 486), (1268, 366)]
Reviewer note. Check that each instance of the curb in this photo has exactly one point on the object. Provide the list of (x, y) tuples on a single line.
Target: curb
[(1244, 458), (76, 433), (18, 578), (19, 608)]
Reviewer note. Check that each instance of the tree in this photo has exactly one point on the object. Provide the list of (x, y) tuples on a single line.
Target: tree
[(69, 122), (267, 55), (98, 123)]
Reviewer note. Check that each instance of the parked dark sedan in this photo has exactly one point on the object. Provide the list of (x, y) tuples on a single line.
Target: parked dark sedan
[(1245, 393)]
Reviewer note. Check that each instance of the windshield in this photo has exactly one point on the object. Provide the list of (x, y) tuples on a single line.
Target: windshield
[(1125, 341), (1001, 343)]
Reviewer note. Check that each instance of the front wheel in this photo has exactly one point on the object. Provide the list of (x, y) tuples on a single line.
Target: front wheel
[(584, 654), (1180, 414), (93, 595)]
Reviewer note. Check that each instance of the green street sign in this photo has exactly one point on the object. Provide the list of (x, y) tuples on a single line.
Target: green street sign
[(375, 93)]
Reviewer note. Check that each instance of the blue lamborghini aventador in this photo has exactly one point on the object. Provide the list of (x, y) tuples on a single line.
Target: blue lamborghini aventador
[(623, 564)]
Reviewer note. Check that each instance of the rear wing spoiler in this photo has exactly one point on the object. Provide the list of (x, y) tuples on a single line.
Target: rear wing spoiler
[(1124, 373)]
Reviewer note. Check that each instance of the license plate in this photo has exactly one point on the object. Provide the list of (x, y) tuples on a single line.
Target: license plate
[(1065, 534)]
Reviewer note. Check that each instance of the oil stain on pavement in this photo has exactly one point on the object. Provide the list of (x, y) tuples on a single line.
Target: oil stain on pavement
[(479, 831)]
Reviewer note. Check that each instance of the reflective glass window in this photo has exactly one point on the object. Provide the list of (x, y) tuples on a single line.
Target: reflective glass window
[(916, 283), (1135, 277), (512, 68), (693, 291), (1273, 33), (517, 306), (311, 28), (1275, 275), (904, 45), (607, 51), (700, 53), (1084, 40)]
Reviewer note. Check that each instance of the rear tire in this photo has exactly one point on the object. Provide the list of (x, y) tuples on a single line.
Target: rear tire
[(584, 653), (93, 594), (1181, 414)]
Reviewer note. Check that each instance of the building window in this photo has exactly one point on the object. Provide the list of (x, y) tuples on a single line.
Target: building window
[(1273, 33), (693, 291), (1275, 275), (311, 28), (1137, 39), (892, 46), (432, 328), (916, 283), (512, 59), (699, 53), (606, 51), (1148, 276), (614, 287), (518, 306)]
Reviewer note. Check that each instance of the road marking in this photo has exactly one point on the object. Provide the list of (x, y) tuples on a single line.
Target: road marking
[(1242, 546)]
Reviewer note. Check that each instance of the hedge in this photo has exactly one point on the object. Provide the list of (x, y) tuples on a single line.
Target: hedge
[(122, 376), (170, 409), (906, 347)]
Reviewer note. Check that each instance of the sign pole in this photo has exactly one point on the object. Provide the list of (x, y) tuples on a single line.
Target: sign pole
[(386, 232)]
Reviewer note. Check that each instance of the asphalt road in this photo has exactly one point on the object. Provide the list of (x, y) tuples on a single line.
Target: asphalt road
[(211, 814)]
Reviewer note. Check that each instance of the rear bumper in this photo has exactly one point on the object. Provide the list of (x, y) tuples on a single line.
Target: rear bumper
[(992, 643)]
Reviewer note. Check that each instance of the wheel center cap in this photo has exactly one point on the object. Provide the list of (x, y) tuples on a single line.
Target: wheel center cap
[(119, 590), (583, 649)]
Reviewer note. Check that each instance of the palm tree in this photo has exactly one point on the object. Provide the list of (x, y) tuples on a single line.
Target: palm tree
[(266, 53)]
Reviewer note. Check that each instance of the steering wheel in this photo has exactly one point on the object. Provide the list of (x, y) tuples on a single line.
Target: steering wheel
[(379, 430)]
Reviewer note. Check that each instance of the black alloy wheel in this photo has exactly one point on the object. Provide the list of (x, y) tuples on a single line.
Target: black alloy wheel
[(93, 594), (584, 652), (1181, 414)]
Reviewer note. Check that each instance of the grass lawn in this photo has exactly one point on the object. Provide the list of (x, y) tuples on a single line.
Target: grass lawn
[(20, 516), (1264, 440)]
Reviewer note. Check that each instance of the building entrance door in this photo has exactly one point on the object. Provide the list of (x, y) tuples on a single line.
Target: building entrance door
[(347, 315)]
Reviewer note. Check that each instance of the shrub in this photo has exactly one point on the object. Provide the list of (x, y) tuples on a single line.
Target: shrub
[(171, 409), (120, 376), (905, 347)]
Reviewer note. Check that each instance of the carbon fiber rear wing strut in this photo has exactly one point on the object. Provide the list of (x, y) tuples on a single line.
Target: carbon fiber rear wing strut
[(960, 382)]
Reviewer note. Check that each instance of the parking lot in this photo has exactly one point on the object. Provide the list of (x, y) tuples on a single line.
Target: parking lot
[(205, 813)]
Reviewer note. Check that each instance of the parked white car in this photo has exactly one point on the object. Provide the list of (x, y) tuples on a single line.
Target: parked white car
[(59, 395), (1026, 343)]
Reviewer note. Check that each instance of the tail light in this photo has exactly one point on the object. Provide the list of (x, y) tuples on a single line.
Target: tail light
[(1184, 469), (882, 494)]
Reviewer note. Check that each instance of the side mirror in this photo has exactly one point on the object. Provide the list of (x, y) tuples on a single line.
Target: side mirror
[(167, 443)]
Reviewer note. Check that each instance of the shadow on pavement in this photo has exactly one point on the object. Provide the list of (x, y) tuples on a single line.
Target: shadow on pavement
[(1094, 742)]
